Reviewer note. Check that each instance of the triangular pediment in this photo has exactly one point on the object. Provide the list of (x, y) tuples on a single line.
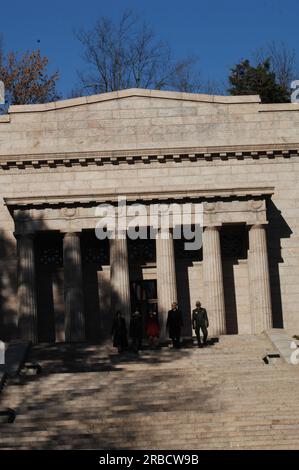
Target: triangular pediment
[(135, 120), (136, 93)]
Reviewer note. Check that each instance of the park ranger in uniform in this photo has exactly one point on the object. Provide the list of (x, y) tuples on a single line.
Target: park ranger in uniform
[(200, 321)]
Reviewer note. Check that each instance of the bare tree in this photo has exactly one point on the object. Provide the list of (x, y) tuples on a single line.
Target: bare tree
[(214, 87), (282, 60), (127, 54)]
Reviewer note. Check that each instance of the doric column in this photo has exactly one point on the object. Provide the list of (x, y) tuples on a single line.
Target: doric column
[(73, 288), (27, 304), (259, 280), (213, 281), (119, 276), (166, 277)]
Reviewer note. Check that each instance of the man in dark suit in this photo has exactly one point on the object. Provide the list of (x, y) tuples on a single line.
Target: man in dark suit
[(119, 332), (174, 324), (200, 321)]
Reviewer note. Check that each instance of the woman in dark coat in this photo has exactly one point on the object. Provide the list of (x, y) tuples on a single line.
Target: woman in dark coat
[(119, 332), (136, 329), (152, 329)]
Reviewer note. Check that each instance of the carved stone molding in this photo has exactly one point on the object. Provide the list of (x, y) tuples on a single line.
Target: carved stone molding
[(256, 204), (68, 212), (146, 156)]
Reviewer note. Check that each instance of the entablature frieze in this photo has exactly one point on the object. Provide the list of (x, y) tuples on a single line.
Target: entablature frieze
[(67, 213)]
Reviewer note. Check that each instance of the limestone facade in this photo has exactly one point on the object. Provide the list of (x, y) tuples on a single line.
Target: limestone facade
[(236, 156)]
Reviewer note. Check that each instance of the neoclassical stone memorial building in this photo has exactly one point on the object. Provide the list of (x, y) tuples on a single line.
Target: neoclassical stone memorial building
[(59, 161)]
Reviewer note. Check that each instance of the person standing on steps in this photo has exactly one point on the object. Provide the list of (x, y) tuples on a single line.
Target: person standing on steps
[(136, 329), (152, 328), (119, 332), (174, 324), (200, 321)]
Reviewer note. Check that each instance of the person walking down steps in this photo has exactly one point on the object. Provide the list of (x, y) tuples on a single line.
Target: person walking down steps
[(119, 332), (136, 329), (200, 322), (174, 325)]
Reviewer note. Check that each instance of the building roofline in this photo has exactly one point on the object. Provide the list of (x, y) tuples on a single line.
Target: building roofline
[(137, 92)]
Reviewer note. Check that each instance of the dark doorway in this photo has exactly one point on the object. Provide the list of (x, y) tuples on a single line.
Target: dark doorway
[(185, 259), (49, 287), (234, 247), (143, 287), (144, 295), (95, 255)]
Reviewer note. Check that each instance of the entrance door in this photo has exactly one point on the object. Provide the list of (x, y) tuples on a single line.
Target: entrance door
[(49, 287), (144, 295)]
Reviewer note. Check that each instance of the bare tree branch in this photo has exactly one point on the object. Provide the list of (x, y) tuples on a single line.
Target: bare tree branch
[(282, 60), (127, 54)]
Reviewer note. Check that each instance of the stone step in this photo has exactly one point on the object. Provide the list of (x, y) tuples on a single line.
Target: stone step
[(223, 396)]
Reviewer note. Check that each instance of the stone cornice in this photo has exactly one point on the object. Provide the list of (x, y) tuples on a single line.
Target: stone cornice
[(160, 194), (160, 155), (137, 92)]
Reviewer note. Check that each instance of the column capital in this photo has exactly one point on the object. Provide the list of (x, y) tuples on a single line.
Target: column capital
[(164, 234), (71, 234), (260, 225), (212, 227), (119, 235), (22, 236)]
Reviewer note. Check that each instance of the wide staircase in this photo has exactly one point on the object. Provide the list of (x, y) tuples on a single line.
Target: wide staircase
[(220, 397)]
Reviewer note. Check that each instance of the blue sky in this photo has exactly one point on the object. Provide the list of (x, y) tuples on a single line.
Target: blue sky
[(218, 32)]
